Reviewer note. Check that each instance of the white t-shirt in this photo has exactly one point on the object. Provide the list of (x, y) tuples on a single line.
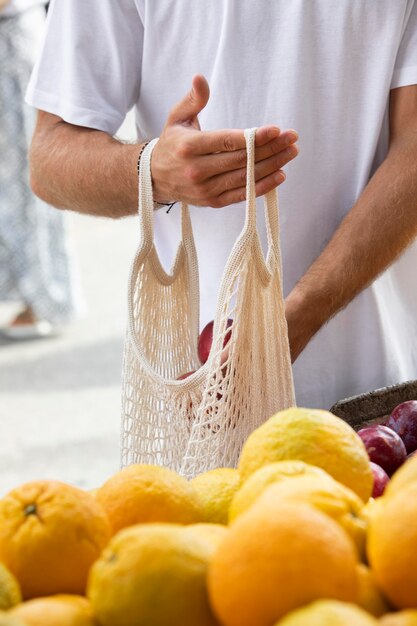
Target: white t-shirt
[(323, 67)]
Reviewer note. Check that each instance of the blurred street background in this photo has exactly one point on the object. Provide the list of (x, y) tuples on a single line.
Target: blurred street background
[(60, 396)]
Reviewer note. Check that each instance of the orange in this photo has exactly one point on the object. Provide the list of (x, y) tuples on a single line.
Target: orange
[(154, 575), (370, 597), (315, 437), (149, 493), (59, 610), (277, 557), (265, 476), (402, 618), (326, 494), (392, 546), (328, 613), (50, 534), (216, 489)]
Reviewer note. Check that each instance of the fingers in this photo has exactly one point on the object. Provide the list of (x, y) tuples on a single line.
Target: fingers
[(236, 179), (228, 140), (262, 187), (214, 164), (187, 109)]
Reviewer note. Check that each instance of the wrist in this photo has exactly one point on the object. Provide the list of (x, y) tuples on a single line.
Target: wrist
[(305, 316), (158, 203)]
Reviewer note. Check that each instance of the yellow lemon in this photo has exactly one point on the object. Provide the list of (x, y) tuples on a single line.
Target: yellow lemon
[(154, 574), (267, 475), (10, 593), (208, 532), (392, 545), (148, 493), (315, 437), (216, 489), (328, 613), (59, 610), (276, 557)]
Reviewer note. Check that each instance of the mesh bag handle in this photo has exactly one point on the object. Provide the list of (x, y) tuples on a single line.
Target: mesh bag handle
[(146, 204)]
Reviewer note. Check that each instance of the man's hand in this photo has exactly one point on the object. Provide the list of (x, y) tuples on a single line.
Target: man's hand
[(209, 168), (87, 170)]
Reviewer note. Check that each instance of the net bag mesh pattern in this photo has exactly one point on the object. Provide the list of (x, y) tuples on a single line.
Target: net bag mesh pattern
[(201, 422)]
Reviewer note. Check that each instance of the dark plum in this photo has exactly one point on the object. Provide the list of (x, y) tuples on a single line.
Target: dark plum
[(381, 479), (403, 420), (384, 447)]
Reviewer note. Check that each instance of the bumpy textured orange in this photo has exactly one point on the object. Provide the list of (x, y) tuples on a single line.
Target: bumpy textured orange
[(392, 546), (148, 493), (50, 534), (276, 557)]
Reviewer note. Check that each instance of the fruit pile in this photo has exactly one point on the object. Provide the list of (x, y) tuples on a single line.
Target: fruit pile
[(390, 443), (292, 537)]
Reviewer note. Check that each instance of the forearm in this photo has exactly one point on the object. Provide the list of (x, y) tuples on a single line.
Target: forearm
[(84, 170), (379, 227)]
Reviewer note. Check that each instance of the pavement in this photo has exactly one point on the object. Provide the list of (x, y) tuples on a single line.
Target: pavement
[(60, 397)]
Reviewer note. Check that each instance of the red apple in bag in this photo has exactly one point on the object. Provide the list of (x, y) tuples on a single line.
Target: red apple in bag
[(403, 420), (206, 339)]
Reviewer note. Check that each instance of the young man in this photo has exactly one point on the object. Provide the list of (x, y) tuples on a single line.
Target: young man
[(343, 74)]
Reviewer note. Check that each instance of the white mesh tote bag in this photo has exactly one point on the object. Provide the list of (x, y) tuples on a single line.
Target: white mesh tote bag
[(201, 422)]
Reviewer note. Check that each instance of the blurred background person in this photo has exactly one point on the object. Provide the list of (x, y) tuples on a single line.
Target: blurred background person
[(37, 267)]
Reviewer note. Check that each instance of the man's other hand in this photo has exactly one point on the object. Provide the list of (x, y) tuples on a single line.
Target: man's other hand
[(208, 168)]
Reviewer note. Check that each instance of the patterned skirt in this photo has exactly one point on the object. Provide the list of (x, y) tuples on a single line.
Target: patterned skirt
[(36, 260)]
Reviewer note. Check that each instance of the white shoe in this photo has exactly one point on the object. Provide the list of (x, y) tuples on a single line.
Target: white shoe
[(35, 330)]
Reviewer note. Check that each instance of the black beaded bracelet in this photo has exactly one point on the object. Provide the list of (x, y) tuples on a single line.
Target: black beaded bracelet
[(168, 204)]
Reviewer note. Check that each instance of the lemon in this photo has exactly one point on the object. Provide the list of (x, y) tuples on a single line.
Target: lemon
[(216, 489), (265, 476), (154, 575), (315, 437), (328, 613), (10, 593), (57, 610)]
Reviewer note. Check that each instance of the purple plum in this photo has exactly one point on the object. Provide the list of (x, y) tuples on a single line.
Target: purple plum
[(403, 420), (384, 447), (381, 479)]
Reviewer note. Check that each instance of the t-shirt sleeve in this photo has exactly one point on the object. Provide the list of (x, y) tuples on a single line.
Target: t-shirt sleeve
[(88, 70), (405, 70)]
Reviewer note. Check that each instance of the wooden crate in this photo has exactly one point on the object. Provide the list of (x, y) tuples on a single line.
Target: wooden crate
[(373, 407)]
